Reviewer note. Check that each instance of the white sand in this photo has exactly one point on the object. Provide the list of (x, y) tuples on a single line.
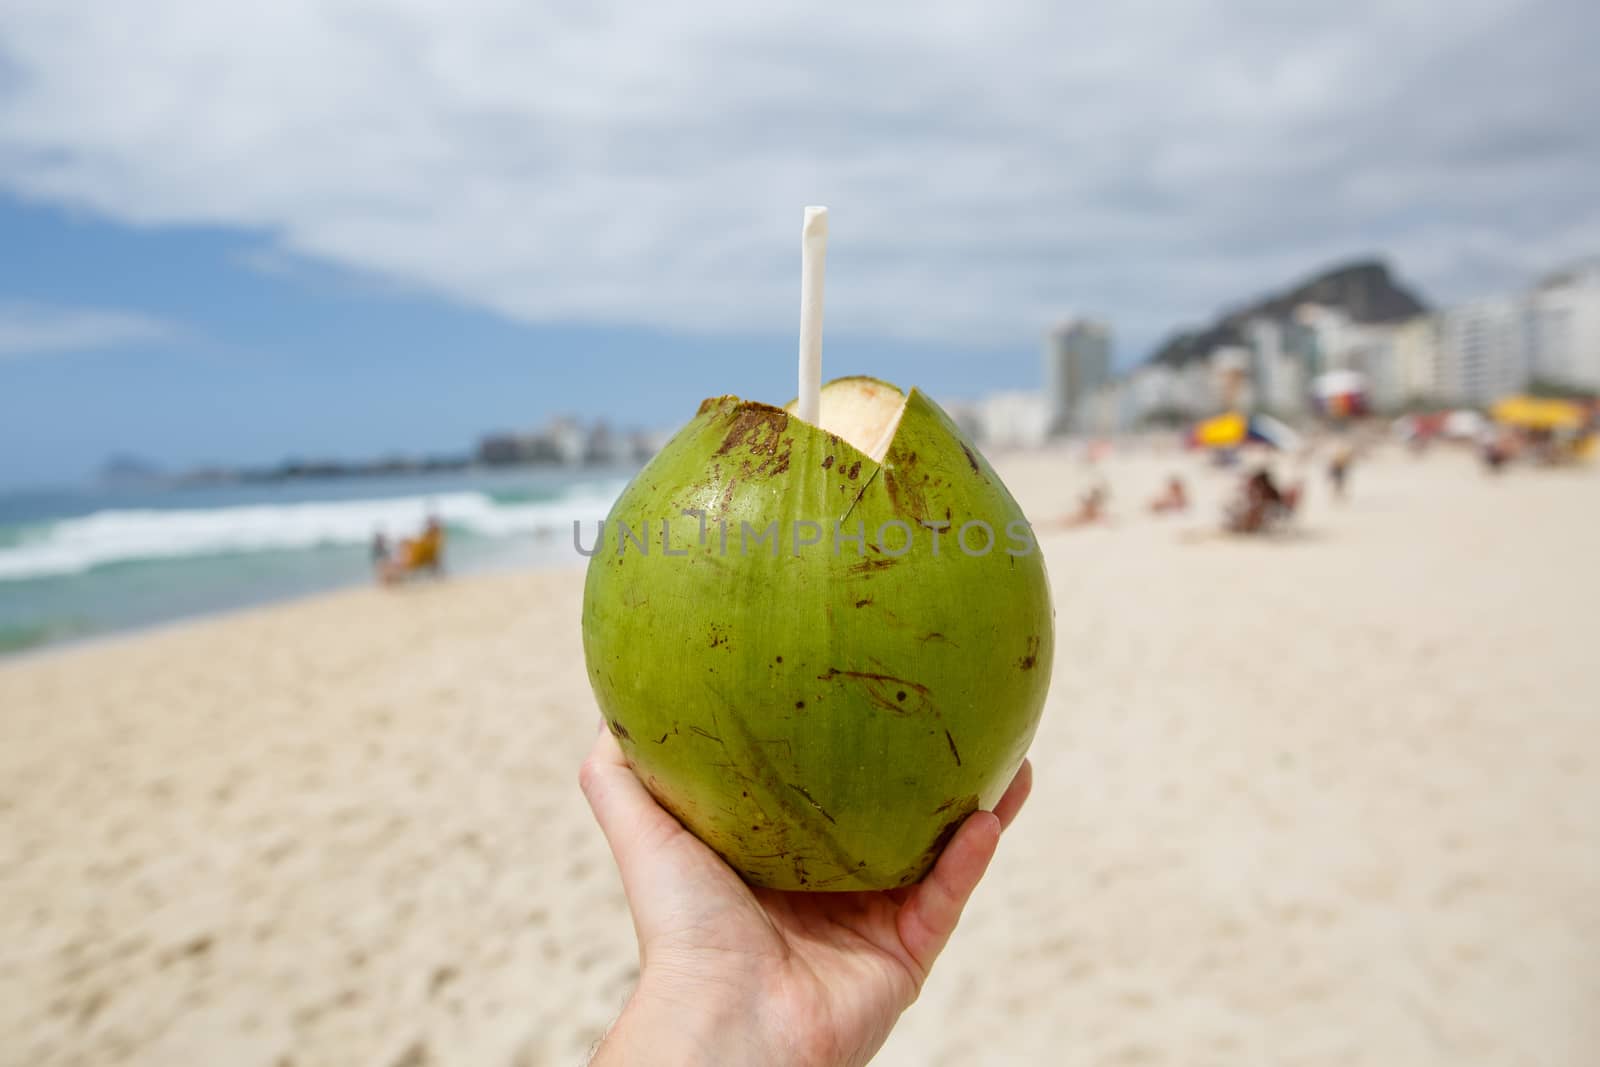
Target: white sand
[(1329, 800)]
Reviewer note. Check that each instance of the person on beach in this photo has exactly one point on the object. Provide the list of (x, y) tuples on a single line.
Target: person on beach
[(1176, 498), (1261, 505), (1493, 452), (378, 554), (428, 550), (729, 974), (421, 554), (1339, 470), (1091, 509)]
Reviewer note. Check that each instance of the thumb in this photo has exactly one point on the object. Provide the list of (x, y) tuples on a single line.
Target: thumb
[(635, 826)]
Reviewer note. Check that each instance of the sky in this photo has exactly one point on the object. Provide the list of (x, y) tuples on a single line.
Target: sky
[(237, 232)]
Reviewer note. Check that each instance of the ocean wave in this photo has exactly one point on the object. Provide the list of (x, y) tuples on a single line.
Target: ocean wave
[(73, 546)]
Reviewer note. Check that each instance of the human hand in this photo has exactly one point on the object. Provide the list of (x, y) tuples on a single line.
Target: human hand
[(734, 975)]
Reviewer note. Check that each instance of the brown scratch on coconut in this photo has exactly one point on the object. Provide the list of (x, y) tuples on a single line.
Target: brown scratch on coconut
[(888, 693), (968, 803), (809, 799), (972, 460), (755, 427), (905, 492), (758, 767)]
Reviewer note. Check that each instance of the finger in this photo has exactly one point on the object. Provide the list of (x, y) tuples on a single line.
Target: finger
[(1015, 796), (628, 815), (934, 907)]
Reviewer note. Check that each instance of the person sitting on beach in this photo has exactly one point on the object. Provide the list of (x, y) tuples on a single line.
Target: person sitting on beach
[(734, 975), (1176, 498), (1494, 452), (417, 555), (1091, 509), (427, 551), (1260, 505)]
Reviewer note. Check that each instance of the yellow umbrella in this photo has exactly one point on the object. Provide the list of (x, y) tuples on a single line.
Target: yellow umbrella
[(1224, 431), (1537, 413)]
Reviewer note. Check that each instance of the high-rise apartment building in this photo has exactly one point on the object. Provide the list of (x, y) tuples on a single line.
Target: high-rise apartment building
[(1485, 349), (1566, 328), (1077, 362)]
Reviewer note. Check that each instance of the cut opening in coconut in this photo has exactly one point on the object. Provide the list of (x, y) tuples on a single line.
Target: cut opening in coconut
[(862, 411)]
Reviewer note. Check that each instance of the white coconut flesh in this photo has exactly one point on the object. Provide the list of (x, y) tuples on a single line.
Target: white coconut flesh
[(863, 412)]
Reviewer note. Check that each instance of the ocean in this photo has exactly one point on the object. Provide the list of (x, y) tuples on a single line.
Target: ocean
[(76, 563)]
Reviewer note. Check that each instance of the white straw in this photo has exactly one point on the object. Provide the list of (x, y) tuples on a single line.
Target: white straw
[(813, 254)]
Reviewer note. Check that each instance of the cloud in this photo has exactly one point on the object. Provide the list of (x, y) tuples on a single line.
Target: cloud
[(989, 166), (38, 330)]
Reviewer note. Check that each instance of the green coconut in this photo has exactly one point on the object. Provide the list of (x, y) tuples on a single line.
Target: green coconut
[(820, 646)]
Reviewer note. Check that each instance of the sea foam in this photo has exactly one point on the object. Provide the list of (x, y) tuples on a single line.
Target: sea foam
[(72, 546)]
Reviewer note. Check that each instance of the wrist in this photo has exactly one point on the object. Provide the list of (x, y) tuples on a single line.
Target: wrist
[(669, 1023)]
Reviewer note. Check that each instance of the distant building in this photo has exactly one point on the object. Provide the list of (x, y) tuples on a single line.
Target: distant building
[(1278, 373), (602, 447), (1356, 319), (1415, 352), (1566, 328), (1015, 419), (1105, 411), (1151, 397), (1077, 362), (1485, 349), (1373, 355), (567, 441), (1230, 377), (1327, 333), (1476, 352), (1331, 340), (1195, 389), (499, 450)]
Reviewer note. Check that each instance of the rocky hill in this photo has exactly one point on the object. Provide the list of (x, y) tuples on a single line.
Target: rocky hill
[(1364, 289)]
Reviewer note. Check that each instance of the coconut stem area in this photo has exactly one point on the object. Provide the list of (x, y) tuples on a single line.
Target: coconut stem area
[(863, 411)]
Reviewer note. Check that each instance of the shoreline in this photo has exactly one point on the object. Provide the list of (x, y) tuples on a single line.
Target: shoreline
[(493, 563), (78, 569), (289, 601)]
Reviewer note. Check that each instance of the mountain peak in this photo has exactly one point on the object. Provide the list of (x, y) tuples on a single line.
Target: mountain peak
[(1362, 288)]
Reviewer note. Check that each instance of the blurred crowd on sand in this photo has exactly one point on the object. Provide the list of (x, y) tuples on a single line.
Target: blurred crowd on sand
[(1275, 461)]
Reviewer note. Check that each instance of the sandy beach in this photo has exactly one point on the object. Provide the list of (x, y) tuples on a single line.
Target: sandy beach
[(1328, 799)]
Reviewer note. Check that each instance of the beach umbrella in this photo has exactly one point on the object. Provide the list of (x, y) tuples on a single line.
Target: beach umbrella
[(1223, 431), (1538, 413), (1236, 429), (1266, 430), (1340, 393)]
